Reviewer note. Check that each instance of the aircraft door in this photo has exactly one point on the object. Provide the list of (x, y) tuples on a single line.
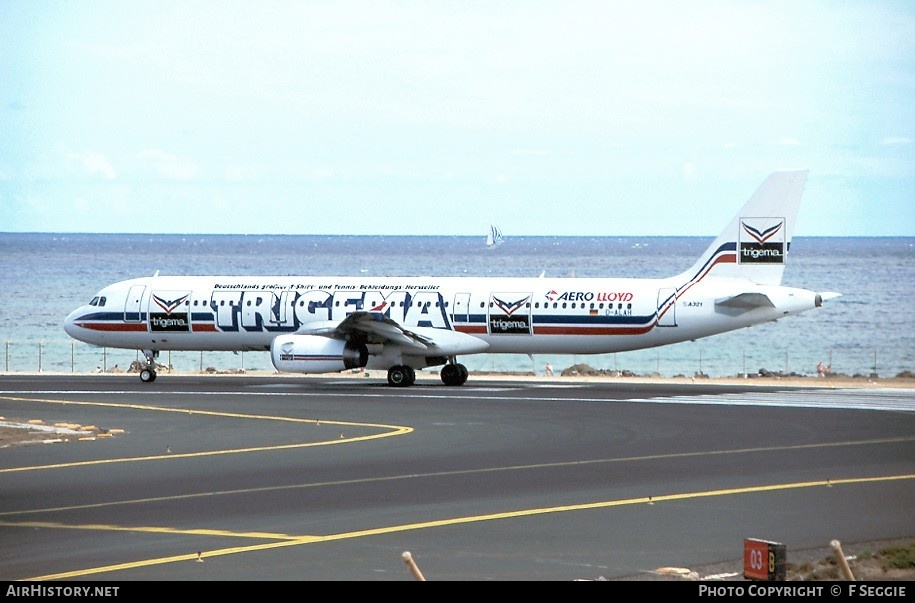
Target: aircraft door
[(132, 303), (667, 307), (283, 313), (461, 312)]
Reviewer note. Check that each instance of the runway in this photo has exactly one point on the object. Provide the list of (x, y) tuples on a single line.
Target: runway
[(221, 478)]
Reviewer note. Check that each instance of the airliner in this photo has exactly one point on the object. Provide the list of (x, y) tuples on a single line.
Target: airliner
[(322, 324)]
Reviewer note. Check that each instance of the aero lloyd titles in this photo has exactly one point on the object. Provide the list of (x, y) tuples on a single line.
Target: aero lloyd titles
[(600, 296)]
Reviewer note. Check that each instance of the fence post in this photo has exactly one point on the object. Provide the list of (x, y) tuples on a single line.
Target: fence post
[(72, 356), (39, 356)]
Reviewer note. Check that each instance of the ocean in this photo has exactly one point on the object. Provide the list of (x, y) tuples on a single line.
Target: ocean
[(869, 329)]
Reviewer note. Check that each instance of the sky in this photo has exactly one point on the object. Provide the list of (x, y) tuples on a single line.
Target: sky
[(605, 118)]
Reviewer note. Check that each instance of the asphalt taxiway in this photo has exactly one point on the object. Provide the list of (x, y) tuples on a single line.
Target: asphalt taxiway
[(206, 478)]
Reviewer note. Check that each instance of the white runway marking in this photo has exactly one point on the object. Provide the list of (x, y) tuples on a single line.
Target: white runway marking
[(888, 399), (857, 399)]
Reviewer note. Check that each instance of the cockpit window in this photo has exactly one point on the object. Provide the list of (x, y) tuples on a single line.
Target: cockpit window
[(94, 301), (98, 300)]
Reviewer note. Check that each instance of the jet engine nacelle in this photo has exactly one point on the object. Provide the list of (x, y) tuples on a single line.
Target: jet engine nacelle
[(316, 354)]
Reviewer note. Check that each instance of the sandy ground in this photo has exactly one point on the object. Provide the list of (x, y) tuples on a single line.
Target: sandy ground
[(868, 561)]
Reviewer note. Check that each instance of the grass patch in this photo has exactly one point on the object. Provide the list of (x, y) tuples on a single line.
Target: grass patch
[(898, 557)]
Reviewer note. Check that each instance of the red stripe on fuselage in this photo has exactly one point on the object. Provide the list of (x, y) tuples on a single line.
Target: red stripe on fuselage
[(478, 330), (472, 329), (728, 258), (113, 326), (592, 330)]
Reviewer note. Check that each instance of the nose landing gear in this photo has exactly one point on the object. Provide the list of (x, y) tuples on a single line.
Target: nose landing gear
[(148, 372)]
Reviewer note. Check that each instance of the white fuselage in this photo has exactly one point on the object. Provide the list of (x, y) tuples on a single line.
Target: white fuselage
[(511, 315)]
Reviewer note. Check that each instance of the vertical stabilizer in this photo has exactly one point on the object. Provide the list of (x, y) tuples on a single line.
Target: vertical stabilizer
[(755, 244)]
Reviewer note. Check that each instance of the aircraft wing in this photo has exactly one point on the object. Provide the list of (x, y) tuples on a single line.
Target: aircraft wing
[(376, 328)]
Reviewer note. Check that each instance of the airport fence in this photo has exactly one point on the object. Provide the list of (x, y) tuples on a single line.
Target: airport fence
[(68, 356)]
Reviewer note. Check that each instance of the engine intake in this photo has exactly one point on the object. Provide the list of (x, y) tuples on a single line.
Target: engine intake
[(316, 354)]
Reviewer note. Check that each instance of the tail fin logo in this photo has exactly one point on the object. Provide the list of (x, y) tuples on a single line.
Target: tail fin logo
[(762, 241)]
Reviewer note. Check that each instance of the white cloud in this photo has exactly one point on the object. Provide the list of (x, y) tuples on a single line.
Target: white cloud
[(96, 164), (896, 140), (169, 166), (531, 152)]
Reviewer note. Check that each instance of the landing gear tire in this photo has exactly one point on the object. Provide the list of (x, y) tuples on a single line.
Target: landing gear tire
[(454, 374), (401, 376), (148, 372)]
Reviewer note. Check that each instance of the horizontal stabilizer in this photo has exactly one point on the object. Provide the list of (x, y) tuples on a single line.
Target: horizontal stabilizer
[(746, 301)]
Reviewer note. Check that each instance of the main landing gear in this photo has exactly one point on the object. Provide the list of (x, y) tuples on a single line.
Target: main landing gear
[(401, 376), (454, 373), (404, 376)]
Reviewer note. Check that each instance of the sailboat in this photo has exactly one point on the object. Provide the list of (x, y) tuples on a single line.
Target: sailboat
[(494, 237)]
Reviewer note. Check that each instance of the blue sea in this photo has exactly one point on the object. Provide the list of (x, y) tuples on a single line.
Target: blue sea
[(870, 329)]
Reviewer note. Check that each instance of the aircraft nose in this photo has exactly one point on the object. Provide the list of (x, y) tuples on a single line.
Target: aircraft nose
[(70, 327)]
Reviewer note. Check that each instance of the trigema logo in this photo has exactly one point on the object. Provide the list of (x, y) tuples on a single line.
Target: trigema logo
[(762, 241), (172, 314)]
